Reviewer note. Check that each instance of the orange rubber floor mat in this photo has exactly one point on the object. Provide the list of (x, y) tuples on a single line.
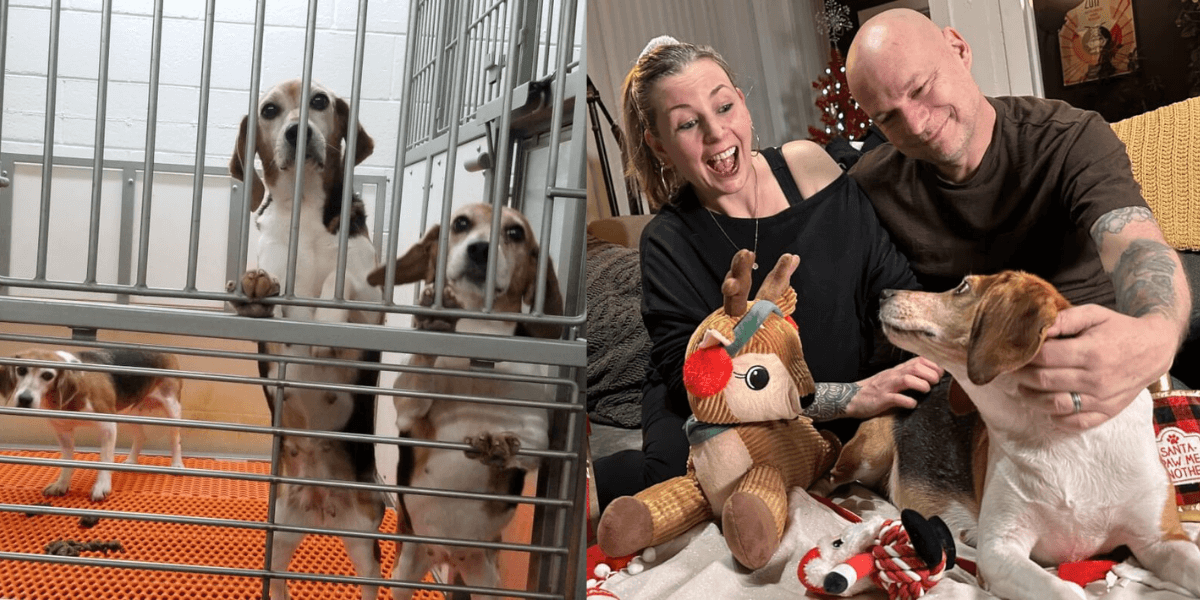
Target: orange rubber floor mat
[(160, 542)]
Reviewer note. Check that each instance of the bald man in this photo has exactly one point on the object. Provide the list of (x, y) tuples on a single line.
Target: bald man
[(973, 184)]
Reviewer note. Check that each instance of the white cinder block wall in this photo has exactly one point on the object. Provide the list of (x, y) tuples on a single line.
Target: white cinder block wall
[(179, 78)]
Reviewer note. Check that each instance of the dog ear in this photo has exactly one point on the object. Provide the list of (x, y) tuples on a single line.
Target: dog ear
[(419, 263), (68, 384), (1010, 326), (960, 403), (363, 144), (8, 382), (237, 169), (554, 300)]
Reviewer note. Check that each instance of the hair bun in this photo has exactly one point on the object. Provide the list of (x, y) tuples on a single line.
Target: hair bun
[(661, 40)]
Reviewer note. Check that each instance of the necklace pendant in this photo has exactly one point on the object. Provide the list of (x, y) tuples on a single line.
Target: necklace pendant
[(754, 266)]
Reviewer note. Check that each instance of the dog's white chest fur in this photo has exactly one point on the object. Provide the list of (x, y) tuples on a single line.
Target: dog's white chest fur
[(313, 249), (454, 421), (316, 254), (1081, 491)]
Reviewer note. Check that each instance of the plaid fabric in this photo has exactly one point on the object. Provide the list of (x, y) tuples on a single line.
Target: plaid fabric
[(1177, 428)]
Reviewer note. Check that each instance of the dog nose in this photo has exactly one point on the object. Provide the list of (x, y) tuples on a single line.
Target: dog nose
[(293, 130), (477, 252), (885, 294), (25, 400)]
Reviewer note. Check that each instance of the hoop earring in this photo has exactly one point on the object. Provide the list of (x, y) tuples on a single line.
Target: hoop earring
[(757, 144), (662, 179)]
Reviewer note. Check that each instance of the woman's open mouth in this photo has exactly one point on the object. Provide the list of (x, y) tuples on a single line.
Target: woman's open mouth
[(726, 163)]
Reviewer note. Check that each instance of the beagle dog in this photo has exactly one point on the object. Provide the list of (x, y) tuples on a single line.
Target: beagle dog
[(1024, 491), (495, 432), (70, 390), (321, 204)]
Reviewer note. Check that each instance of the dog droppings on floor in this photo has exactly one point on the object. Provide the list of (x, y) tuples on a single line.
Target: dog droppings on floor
[(38, 513), (75, 548)]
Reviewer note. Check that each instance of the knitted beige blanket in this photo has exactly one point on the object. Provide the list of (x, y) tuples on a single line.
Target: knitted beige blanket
[(1164, 146)]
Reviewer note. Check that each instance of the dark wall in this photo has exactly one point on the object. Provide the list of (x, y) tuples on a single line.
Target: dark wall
[(1162, 74)]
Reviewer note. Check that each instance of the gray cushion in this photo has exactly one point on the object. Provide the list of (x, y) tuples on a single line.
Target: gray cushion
[(618, 346)]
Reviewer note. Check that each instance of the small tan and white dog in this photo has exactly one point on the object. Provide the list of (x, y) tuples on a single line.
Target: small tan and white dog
[(315, 275), (320, 204), (497, 432), (1040, 493), (71, 390)]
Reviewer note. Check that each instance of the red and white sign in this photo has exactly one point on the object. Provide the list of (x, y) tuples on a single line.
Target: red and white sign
[(1179, 452)]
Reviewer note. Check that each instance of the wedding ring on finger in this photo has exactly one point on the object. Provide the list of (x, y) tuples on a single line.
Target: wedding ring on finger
[(1077, 401)]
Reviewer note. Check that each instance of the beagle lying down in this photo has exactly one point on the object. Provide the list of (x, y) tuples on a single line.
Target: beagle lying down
[(1038, 493), (496, 432), (71, 390)]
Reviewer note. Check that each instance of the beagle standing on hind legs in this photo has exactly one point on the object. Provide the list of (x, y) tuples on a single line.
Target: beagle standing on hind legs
[(320, 224), (495, 431), (72, 390), (320, 204), (1027, 490)]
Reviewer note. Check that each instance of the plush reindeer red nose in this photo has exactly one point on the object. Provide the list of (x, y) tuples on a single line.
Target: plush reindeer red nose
[(707, 371)]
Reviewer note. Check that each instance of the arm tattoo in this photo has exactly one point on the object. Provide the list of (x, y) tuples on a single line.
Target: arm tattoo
[(1144, 278), (1116, 220), (831, 400)]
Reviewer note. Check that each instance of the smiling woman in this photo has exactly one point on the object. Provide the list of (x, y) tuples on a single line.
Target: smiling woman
[(690, 137)]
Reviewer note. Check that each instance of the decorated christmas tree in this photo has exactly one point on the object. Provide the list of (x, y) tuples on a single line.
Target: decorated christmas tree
[(840, 114)]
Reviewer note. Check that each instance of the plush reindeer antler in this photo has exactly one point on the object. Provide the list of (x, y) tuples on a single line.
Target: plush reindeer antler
[(736, 287), (778, 281)]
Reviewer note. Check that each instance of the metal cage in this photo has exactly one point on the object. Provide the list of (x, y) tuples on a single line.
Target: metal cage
[(488, 87)]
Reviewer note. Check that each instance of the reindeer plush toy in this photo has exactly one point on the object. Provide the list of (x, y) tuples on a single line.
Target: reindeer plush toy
[(747, 385)]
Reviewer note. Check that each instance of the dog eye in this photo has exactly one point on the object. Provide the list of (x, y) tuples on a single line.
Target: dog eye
[(269, 111), (963, 287), (21, 371), (320, 102), (516, 233), (460, 224), (837, 543), (47, 376)]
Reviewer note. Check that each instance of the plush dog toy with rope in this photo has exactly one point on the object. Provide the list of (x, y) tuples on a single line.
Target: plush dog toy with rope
[(747, 385), (904, 558)]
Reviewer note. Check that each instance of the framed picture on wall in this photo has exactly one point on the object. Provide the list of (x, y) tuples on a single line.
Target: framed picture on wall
[(1097, 41)]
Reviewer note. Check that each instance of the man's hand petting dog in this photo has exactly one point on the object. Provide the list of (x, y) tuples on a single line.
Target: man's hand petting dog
[(1077, 357)]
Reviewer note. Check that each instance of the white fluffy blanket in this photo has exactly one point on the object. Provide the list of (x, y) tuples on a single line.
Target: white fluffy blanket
[(698, 565)]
